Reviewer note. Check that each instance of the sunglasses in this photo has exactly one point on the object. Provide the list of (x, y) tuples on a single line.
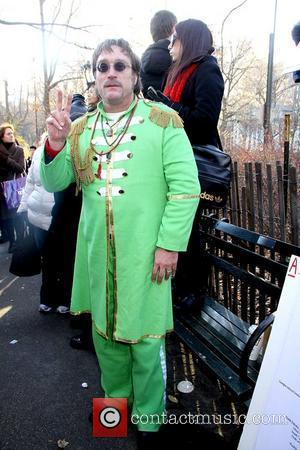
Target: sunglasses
[(118, 66)]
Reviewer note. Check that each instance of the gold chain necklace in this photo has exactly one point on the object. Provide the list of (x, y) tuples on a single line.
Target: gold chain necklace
[(110, 132), (105, 135), (116, 142)]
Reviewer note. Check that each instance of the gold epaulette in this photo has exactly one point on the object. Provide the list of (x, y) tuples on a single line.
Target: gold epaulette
[(83, 170), (78, 126), (162, 117)]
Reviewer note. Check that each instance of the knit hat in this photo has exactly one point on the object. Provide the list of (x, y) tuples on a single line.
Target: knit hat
[(78, 107)]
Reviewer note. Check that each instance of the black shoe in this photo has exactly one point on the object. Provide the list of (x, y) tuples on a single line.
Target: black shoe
[(148, 440), (81, 342)]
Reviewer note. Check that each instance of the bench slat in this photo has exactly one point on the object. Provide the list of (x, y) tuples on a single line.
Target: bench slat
[(240, 387), (245, 235), (247, 256), (212, 329), (227, 350), (230, 332), (229, 315), (265, 287)]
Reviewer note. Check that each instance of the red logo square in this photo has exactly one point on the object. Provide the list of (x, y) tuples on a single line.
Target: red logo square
[(109, 417)]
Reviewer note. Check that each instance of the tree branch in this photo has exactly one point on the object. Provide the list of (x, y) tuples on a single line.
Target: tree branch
[(47, 24), (53, 85)]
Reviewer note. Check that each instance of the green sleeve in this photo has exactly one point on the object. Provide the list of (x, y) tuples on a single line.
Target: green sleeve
[(183, 190), (58, 173)]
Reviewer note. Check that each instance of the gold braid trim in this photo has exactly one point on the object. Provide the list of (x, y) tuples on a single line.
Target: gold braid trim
[(83, 170), (182, 196), (162, 118)]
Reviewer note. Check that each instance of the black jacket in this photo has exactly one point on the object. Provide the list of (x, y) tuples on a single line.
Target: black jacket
[(154, 65), (78, 107), (200, 102), (12, 162)]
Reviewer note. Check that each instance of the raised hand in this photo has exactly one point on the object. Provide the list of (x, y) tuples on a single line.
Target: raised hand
[(59, 123)]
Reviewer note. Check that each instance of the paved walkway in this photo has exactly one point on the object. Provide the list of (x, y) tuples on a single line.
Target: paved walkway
[(41, 397)]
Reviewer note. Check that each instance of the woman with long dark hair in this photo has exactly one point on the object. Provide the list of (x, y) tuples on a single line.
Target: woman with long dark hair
[(12, 165), (194, 88)]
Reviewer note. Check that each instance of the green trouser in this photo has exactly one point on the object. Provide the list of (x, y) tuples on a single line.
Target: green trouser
[(133, 371)]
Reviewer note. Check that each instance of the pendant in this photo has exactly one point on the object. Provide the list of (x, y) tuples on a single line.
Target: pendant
[(109, 133), (99, 171)]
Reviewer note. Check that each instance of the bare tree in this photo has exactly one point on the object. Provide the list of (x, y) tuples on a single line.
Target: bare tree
[(237, 61), (16, 112), (54, 25), (49, 68)]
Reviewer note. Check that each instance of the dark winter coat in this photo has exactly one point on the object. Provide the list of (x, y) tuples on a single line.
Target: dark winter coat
[(200, 102), (78, 107), (12, 162), (155, 64)]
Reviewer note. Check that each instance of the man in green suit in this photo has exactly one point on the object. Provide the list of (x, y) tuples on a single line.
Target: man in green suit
[(135, 166)]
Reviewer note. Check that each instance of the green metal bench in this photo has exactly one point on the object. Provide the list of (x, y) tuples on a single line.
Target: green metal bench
[(247, 271)]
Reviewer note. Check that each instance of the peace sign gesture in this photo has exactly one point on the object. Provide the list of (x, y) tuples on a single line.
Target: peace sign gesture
[(59, 123)]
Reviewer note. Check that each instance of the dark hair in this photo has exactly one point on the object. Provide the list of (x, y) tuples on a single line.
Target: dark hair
[(296, 33), (162, 24), (3, 128), (126, 49), (196, 41)]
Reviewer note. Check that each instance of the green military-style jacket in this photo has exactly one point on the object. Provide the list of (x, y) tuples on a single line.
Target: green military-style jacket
[(145, 196)]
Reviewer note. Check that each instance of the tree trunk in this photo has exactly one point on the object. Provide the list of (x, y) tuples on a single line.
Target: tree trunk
[(46, 97)]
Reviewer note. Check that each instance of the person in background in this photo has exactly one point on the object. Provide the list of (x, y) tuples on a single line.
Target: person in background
[(37, 203), (296, 39), (194, 89), (84, 340), (140, 187), (12, 165), (92, 98), (32, 149), (63, 229), (156, 60)]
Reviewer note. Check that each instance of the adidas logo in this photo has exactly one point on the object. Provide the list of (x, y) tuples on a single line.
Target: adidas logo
[(211, 197)]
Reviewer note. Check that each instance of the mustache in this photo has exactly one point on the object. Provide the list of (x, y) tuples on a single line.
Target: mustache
[(112, 83)]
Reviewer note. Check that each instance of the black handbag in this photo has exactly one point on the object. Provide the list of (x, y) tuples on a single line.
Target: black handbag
[(26, 258), (214, 172)]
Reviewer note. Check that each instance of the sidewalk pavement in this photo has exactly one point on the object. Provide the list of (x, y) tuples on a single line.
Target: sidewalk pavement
[(42, 399)]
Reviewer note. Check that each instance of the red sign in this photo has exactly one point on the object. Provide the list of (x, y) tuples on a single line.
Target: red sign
[(109, 417)]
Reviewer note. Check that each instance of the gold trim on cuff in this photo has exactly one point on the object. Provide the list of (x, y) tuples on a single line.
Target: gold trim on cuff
[(182, 196)]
